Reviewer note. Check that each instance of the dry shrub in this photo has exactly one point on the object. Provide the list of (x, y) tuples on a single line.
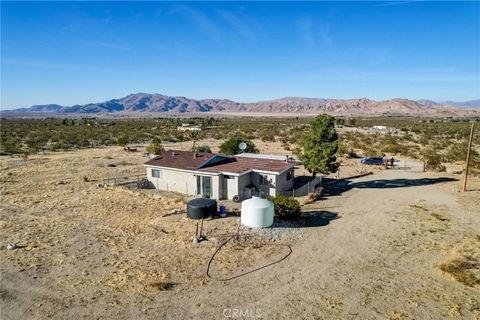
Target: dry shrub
[(458, 268), (311, 198), (417, 207), (464, 263), (84, 178), (438, 216), (181, 201), (125, 163), (162, 285)]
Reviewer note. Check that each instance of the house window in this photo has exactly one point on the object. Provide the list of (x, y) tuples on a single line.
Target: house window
[(289, 175), (263, 179), (204, 186), (156, 173)]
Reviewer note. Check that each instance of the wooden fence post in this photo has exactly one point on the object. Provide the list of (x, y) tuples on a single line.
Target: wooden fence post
[(467, 162)]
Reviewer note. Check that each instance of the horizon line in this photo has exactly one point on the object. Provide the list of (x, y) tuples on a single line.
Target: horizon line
[(2, 108)]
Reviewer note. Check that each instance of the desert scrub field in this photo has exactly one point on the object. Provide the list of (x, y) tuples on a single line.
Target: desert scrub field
[(122, 254), (435, 141)]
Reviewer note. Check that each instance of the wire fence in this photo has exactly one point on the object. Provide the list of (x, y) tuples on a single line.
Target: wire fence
[(124, 181), (306, 188)]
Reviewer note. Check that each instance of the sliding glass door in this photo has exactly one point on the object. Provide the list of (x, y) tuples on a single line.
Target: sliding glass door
[(204, 185)]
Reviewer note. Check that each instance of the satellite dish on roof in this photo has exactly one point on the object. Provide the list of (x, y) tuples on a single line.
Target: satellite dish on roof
[(242, 146)]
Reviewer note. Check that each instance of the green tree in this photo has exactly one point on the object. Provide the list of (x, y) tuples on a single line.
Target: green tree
[(230, 147), (319, 146)]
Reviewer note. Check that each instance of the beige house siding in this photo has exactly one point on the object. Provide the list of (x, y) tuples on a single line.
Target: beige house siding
[(184, 181), (232, 187), (181, 181), (215, 187)]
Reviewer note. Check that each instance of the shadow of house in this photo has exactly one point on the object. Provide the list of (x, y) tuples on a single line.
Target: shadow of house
[(337, 188), (303, 185), (299, 181), (309, 219)]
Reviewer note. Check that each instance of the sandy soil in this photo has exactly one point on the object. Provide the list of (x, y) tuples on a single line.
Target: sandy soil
[(372, 248)]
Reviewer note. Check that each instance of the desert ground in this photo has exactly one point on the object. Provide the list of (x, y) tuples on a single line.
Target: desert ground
[(371, 248)]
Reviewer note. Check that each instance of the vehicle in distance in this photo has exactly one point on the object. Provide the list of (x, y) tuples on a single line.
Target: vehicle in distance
[(372, 161)]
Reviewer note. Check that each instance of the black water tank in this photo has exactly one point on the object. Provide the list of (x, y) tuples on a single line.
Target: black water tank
[(201, 208)]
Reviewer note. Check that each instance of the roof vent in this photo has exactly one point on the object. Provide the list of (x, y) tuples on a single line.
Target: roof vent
[(174, 153), (195, 155)]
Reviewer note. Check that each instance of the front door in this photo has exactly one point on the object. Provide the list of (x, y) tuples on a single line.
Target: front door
[(204, 185)]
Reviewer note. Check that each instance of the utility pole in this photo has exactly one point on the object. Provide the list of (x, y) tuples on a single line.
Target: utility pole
[(468, 158)]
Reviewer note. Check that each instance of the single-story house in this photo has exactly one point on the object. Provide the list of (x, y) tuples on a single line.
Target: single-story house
[(219, 176)]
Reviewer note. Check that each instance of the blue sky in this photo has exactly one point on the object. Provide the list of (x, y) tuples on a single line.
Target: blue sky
[(80, 52)]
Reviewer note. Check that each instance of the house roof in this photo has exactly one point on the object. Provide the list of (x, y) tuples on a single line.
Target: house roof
[(185, 160), (197, 161), (244, 164)]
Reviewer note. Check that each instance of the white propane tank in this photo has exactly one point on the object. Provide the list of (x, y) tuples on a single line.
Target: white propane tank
[(257, 213)]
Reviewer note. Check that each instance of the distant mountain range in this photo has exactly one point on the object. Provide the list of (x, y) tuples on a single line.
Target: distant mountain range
[(143, 103), (465, 104)]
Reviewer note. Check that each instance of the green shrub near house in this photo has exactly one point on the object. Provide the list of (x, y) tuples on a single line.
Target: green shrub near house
[(286, 207)]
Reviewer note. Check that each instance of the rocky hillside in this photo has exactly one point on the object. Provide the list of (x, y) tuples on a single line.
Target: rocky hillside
[(155, 103)]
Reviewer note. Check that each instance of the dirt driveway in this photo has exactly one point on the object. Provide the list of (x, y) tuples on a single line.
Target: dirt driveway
[(372, 249), (374, 255)]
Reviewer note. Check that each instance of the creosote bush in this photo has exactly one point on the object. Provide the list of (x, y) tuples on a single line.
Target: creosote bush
[(203, 148), (155, 147), (433, 160)]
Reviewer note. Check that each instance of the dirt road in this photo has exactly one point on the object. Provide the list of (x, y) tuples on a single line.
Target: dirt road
[(372, 249)]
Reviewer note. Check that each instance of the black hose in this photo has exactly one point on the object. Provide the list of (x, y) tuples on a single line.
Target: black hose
[(245, 273)]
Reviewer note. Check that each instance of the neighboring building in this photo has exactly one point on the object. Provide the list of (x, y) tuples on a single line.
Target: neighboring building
[(186, 127), (381, 128), (219, 176)]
